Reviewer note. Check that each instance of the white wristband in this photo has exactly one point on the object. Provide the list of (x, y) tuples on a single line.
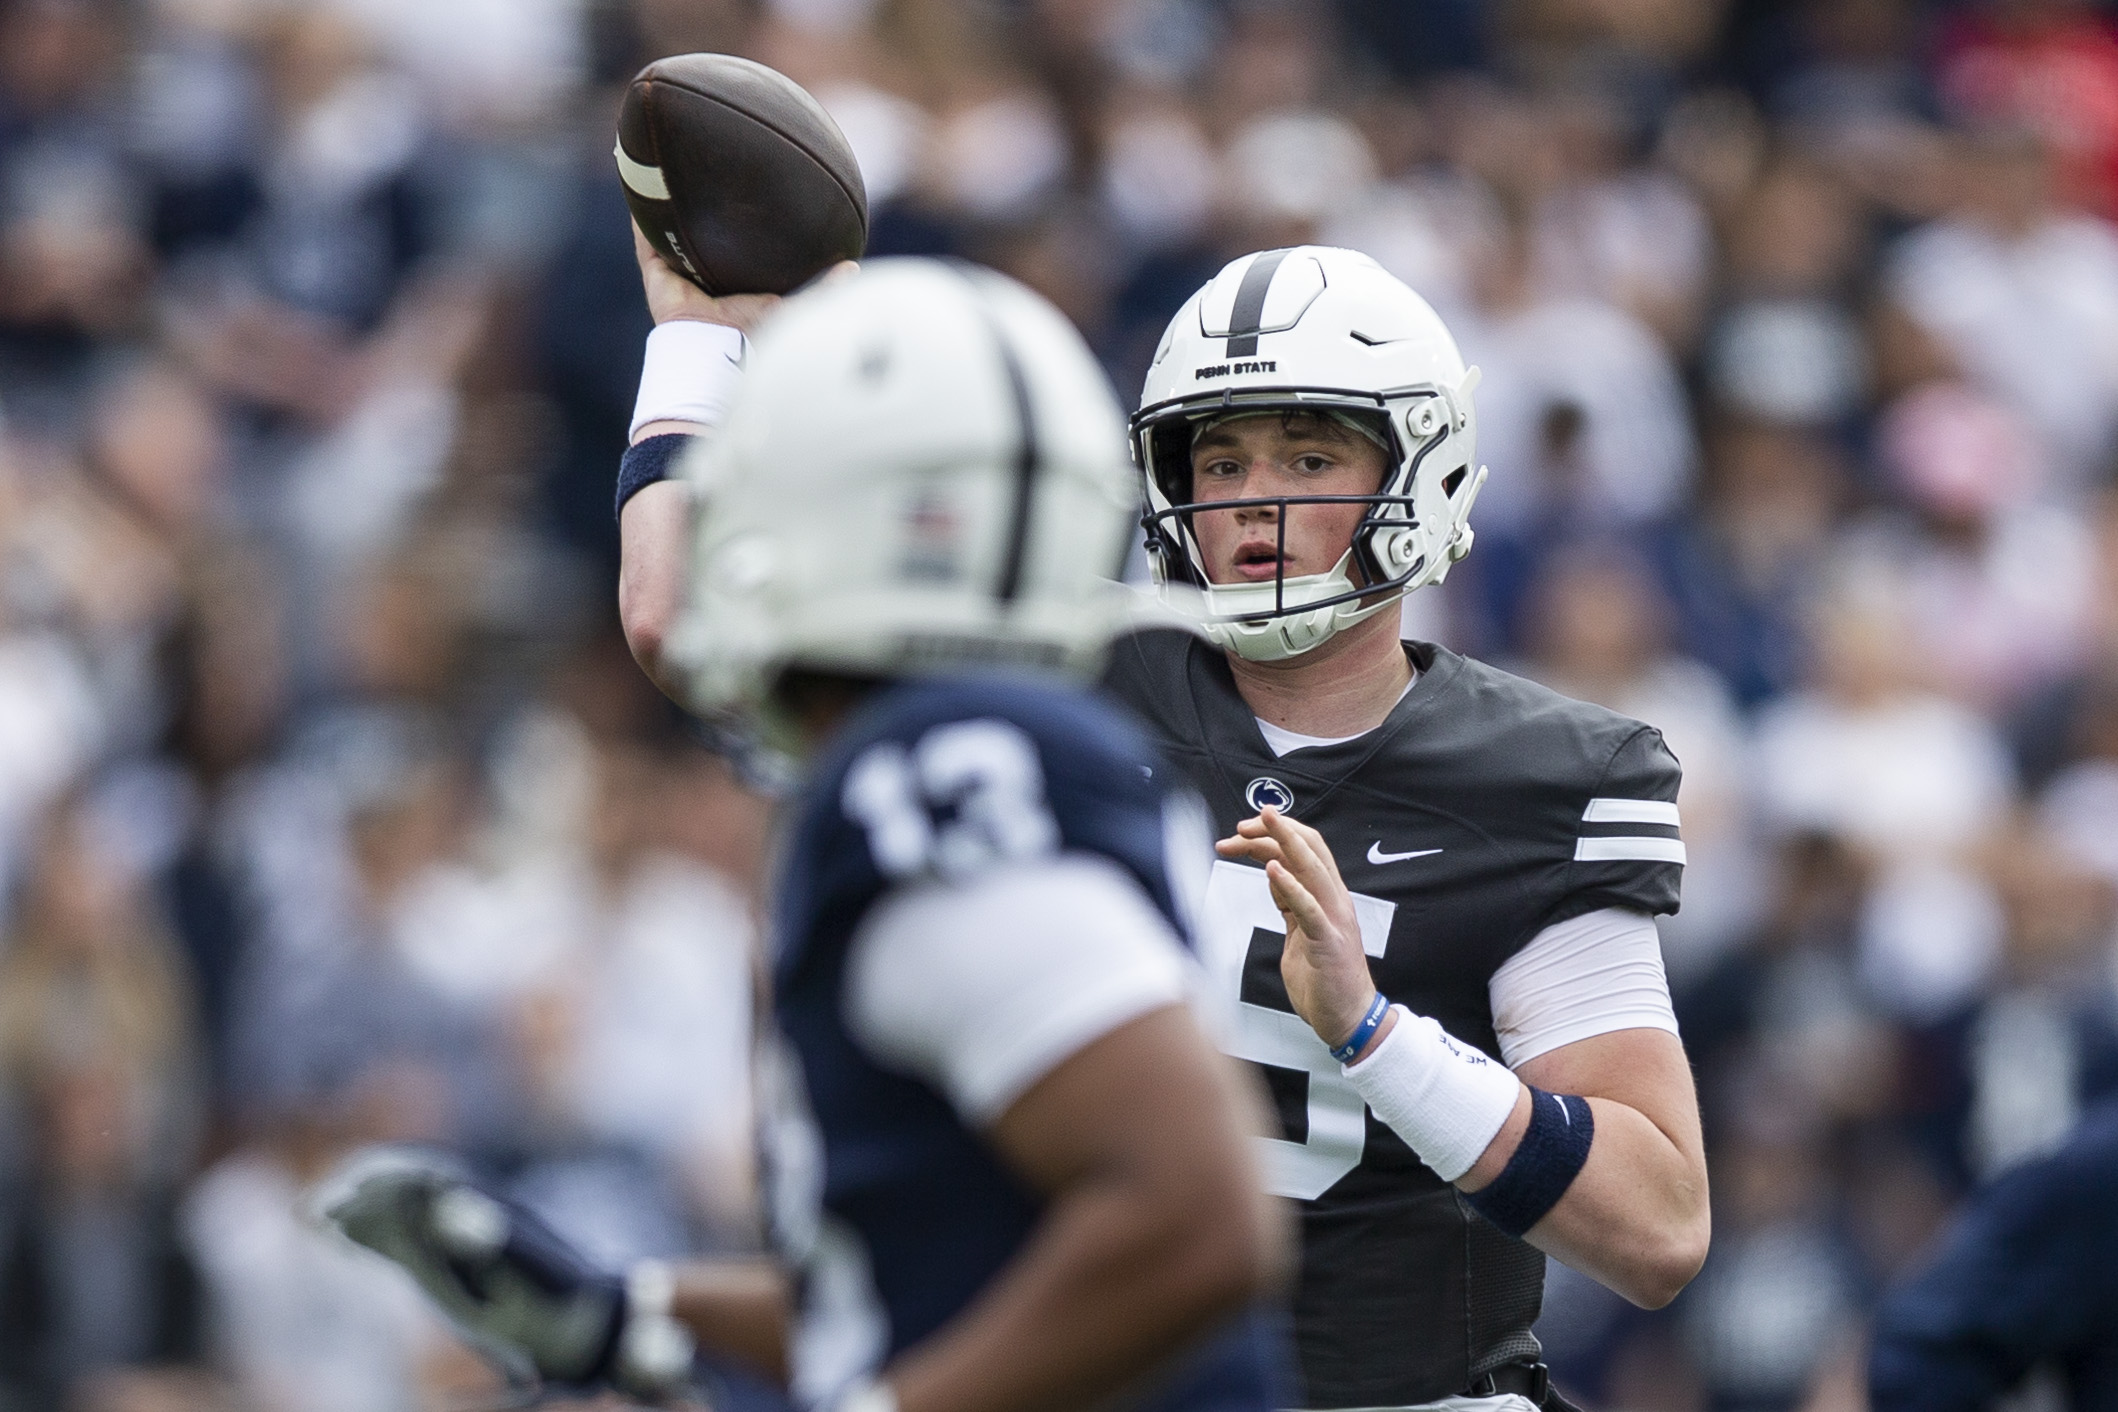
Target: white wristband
[(650, 1288), (654, 1350), (1445, 1099), (866, 1395), (690, 374)]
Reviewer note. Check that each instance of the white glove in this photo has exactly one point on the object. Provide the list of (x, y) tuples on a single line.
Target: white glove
[(529, 1300)]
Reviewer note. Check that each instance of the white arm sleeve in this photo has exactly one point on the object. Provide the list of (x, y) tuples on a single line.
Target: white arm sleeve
[(1590, 975), (981, 988)]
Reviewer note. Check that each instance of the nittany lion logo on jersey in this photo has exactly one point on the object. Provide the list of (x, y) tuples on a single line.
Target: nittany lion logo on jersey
[(1265, 792)]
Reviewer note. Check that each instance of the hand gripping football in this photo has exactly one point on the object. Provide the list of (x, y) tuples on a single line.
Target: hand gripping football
[(738, 178)]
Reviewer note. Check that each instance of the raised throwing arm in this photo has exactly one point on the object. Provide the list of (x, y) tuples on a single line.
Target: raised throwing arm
[(654, 517)]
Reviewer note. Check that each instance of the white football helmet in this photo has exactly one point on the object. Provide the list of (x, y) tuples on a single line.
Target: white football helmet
[(1312, 328), (924, 472)]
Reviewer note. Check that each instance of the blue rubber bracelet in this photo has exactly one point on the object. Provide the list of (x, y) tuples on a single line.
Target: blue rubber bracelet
[(1364, 1031)]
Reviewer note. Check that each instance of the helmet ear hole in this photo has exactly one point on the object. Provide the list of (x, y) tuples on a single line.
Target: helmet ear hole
[(1453, 480)]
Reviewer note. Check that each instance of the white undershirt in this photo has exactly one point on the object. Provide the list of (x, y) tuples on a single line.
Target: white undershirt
[(1590, 975), (1281, 740), (983, 987)]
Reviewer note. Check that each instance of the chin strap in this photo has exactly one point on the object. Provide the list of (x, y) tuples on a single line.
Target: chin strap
[(1288, 634)]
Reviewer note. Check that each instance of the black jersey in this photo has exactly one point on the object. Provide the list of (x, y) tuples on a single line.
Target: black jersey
[(1484, 809)]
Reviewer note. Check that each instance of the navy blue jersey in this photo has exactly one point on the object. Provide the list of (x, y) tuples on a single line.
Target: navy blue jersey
[(908, 1213), (2027, 1276)]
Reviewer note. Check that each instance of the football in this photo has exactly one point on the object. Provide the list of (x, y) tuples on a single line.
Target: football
[(738, 178)]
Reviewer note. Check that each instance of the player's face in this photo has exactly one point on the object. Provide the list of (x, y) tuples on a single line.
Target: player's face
[(1292, 454)]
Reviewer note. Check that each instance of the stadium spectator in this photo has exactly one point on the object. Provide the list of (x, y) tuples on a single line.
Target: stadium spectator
[(2050, 66), (1743, 566), (1600, 631), (97, 1065), (1785, 348), (2023, 293), (1870, 753), (2000, 581)]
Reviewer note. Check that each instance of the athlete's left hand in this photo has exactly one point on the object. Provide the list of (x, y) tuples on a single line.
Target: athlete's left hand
[(522, 1293), (1323, 965)]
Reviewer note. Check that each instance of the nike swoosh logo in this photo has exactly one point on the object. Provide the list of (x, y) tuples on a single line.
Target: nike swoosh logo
[(1376, 854)]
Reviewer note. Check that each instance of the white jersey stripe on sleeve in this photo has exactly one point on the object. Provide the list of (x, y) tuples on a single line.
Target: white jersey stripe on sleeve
[(1630, 811), (1618, 850)]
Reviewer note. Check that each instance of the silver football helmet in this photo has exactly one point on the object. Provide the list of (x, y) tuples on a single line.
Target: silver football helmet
[(1312, 328), (924, 472)]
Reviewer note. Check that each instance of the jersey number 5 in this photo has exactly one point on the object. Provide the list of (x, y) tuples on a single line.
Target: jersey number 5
[(1241, 935), (968, 795)]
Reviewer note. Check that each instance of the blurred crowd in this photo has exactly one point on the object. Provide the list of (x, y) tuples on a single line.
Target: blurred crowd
[(333, 810)]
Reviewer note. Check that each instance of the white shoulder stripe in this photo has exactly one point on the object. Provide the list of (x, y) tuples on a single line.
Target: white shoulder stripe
[(645, 180), (1630, 811), (1617, 850)]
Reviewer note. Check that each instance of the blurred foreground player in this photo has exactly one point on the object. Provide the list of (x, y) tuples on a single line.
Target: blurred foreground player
[(1431, 926), (1006, 1169), (2027, 1277)]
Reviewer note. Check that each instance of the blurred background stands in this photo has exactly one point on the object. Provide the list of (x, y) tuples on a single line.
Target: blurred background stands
[(332, 808)]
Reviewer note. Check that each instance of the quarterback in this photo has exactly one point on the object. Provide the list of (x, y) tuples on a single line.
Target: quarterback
[(1007, 1170), (1431, 924), (1431, 927)]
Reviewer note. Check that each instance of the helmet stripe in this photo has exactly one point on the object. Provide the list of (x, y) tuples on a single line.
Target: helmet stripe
[(1028, 454), (1026, 465), (1247, 318)]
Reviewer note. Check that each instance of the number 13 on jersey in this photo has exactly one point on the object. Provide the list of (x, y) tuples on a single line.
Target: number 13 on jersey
[(1241, 935)]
